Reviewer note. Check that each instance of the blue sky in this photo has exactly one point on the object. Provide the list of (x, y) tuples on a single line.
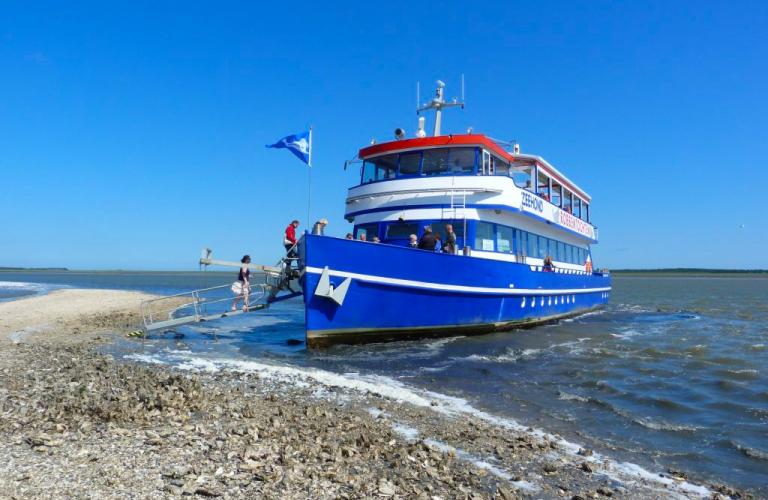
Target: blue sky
[(133, 135)]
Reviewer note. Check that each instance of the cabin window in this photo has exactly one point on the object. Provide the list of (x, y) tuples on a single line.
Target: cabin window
[(369, 230), (560, 252), (484, 236), (401, 231), (532, 245), (380, 168), (504, 239), (369, 172), (521, 175), (436, 162), (461, 161), (567, 201), (501, 167), (409, 163), (577, 207), (585, 211), (521, 240), (557, 194), (543, 185), (543, 247)]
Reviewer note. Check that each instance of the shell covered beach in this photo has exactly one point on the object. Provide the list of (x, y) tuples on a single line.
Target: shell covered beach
[(79, 423)]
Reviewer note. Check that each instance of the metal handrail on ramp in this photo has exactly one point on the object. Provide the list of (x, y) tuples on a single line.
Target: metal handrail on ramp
[(205, 304)]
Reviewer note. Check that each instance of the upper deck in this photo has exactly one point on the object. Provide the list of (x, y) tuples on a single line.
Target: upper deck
[(522, 182)]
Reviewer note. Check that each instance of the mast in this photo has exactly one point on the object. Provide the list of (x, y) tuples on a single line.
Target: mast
[(438, 103)]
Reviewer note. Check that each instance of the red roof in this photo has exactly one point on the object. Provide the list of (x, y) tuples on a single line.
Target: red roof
[(430, 142)]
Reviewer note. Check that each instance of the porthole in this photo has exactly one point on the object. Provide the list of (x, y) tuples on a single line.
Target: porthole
[(522, 303)]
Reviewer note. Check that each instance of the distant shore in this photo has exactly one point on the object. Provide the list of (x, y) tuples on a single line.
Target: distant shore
[(106, 428)]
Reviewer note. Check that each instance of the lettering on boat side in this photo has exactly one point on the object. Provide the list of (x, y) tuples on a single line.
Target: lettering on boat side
[(572, 222), (531, 201)]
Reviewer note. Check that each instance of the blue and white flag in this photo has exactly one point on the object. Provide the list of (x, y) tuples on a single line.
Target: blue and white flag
[(299, 144)]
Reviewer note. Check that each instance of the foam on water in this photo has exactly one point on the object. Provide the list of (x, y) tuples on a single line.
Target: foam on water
[(10, 290), (622, 472)]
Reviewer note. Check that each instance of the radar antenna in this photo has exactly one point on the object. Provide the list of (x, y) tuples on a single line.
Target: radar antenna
[(438, 103)]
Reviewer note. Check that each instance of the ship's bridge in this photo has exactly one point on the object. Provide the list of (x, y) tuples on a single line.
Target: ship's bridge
[(437, 168)]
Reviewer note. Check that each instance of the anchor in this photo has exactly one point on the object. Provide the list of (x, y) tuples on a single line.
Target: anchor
[(327, 290)]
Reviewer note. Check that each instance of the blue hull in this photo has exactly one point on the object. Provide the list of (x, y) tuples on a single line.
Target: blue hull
[(397, 292)]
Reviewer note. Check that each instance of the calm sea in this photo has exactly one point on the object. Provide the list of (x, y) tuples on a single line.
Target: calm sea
[(672, 374)]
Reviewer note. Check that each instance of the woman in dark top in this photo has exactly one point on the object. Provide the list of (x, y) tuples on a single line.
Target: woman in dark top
[(242, 287)]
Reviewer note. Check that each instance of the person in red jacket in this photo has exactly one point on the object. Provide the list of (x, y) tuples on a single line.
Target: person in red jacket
[(290, 240)]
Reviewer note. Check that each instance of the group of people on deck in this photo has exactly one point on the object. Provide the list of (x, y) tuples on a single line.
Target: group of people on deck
[(433, 242)]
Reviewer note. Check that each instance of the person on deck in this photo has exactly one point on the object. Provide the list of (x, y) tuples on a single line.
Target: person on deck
[(242, 287), (438, 243), (350, 237), (290, 240), (548, 265), (427, 241), (376, 239), (362, 237), (319, 227), (450, 240), (413, 241)]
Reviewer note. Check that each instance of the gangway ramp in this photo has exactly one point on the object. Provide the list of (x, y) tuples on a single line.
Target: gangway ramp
[(215, 303)]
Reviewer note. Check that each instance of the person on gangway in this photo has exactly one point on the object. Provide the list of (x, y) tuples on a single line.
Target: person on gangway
[(242, 287), (290, 241)]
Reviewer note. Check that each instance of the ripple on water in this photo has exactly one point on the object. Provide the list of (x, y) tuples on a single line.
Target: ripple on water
[(751, 452), (743, 374)]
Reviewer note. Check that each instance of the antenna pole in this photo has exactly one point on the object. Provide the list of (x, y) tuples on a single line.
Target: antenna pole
[(309, 183), (438, 103), (418, 96)]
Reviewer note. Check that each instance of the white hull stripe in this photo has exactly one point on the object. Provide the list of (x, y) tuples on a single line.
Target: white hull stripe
[(454, 288)]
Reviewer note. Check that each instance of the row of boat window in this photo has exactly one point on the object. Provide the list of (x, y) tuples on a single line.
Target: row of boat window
[(505, 239), (487, 236), (429, 162), (470, 161)]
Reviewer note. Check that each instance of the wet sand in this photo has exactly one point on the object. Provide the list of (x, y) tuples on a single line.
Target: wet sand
[(76, 423)]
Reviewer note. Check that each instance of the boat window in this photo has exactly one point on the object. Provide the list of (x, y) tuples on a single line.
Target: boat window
[(521, 175), (577, 207), (401, 231), (461, 161), (369, 230), (543, 185), (369, 172), (436, 162), (520, 242), (501, 167), (533, 245), (560, 251), (380, 168), (557, 193), (567, 196), (585, 211), (484, 236), (504, 238), (409, 163), (542, 247)]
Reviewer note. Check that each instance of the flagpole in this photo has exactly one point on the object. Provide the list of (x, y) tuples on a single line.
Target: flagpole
[(309, 187)]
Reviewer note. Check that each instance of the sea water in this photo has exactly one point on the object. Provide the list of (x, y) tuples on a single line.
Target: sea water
[(673, 373)]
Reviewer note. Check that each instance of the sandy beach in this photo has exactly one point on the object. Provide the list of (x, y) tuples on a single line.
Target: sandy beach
[(77, 423)]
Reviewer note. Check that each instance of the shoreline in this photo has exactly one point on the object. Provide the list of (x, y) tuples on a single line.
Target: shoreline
[(116, 429)]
